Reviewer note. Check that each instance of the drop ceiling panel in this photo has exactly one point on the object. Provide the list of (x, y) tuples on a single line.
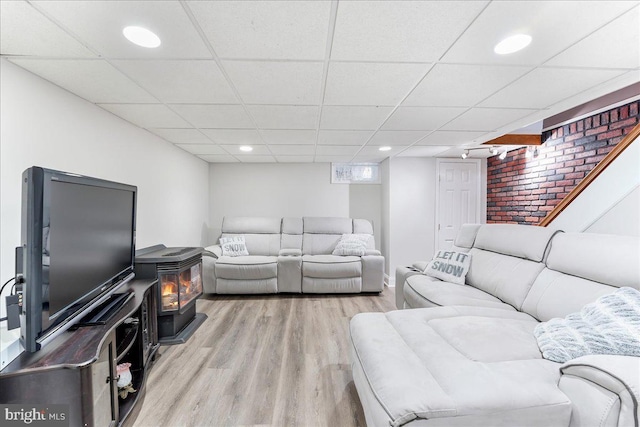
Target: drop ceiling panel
[(421, 118), (554, 26), (147, 115), (373, 151), (545, 86), (258, 150), (333, 159), (466, 84), (450, 138), (336, 150), (214, 116), (257, 159), (18, 18), (397, 137), (182, 136), (343, 137), (624, 52), (284, 116), (202, 148), (186, 81), (100, 24), (371, 83), (424, 151), (289, 136), (296, 83), (265, 29), (219, 159), (297, 150), (294, 159), (92, 79), (407, 31), (353, 118), (486, 119), (233, 136)]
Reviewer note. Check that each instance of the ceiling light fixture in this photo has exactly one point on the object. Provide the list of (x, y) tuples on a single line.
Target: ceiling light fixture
[(503, 155), (385, 148), (465, 154), (246, 148), (494, 150), (141, 36), (512, 44)]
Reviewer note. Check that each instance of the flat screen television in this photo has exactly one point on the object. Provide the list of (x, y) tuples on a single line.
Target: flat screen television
[(78, 248)]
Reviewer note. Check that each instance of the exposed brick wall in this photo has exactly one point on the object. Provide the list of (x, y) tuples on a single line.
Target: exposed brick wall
[(523, 190)]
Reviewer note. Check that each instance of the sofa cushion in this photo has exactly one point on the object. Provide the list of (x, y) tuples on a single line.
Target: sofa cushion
[(450, 266), (582, 255), (509, 239), (466, 236), (331, 266), (580, 271), (424, 371), (327, 225), (246, 267), (424, 291), (506, 277)]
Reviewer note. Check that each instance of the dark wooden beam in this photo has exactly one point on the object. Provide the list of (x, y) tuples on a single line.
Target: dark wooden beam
[(516, 139)]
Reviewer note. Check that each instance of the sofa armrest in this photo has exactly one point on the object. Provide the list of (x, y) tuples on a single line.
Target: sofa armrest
[(214, 251), (290, 252), (615, 376), (372, 252)]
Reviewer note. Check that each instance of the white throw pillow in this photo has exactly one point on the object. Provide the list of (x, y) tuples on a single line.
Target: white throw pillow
[(352, 244), (233, 246), (450, 266)]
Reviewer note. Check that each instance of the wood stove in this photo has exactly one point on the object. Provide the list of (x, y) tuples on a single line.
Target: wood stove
[(179, 274)]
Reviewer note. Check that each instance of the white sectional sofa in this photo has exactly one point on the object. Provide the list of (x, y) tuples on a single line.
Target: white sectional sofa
[(293, 255), (469, 356)]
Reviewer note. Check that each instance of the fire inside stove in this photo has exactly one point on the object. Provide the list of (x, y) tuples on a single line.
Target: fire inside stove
[(178, 290)]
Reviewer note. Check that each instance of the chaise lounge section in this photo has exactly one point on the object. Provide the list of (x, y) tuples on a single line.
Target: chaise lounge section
[(294, 255), (471, 357)]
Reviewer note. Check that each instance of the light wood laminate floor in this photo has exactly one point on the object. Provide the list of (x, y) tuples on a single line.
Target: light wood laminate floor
[(280, 360)]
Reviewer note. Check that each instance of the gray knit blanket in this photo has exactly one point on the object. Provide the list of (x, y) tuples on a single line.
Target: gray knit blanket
[(610, 325)]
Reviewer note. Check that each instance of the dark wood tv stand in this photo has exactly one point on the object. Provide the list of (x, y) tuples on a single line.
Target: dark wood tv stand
[(78, 369)]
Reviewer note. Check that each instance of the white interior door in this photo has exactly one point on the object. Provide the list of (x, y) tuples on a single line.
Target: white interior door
[(458, 198)]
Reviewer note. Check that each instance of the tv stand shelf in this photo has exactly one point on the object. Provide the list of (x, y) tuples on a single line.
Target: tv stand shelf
[(78, 368)]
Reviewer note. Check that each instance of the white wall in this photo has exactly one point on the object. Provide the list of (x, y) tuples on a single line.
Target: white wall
[(412, 191), (612, 189), (623, 218), (44, 125), (286, 190)]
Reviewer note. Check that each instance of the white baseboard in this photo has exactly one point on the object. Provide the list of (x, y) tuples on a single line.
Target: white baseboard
[(389, 281)]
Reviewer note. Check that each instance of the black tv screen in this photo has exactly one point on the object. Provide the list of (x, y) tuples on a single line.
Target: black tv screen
[(78, 244), (89, 240)]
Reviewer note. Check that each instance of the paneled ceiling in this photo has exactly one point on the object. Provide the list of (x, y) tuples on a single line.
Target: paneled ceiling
[(327, 81)]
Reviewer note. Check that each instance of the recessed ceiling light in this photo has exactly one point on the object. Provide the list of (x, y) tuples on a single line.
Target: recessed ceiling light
[(141, 36), (512, 44), (246, 148), (385, 148)]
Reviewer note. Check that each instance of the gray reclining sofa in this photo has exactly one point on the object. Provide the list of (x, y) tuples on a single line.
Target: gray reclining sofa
[(293, 255), (469, 356)]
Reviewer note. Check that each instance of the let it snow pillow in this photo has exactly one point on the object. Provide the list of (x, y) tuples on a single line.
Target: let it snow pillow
[(449, 266), (352, 244), (233, 246)]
